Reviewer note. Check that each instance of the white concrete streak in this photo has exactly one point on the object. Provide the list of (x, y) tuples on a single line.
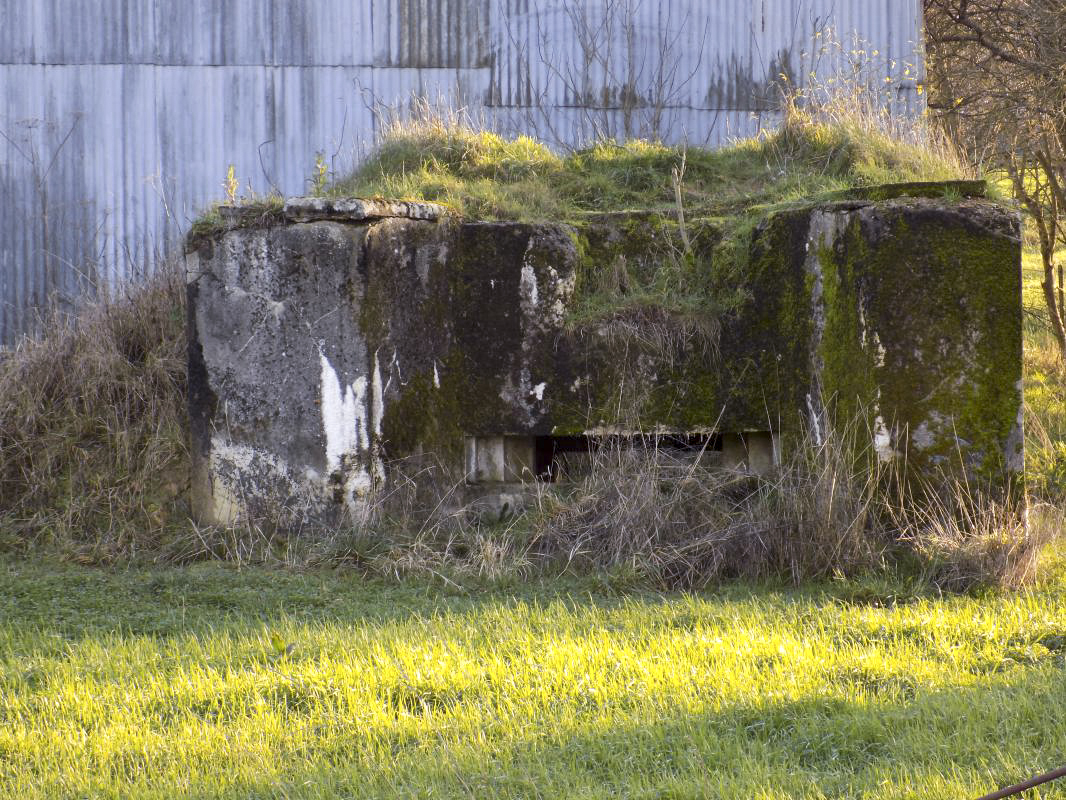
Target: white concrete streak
[(528, 284), (344, 416), (377, 400), (883, 440)]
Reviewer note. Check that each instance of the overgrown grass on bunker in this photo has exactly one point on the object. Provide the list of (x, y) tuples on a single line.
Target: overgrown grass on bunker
[(106, 491), (484, 175), (691, 211)]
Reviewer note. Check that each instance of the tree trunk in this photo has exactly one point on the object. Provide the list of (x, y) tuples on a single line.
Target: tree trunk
[(1053, 300)]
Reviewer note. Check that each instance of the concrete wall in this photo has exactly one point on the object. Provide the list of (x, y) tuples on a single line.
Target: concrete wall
[(119, 118), (332, 338)]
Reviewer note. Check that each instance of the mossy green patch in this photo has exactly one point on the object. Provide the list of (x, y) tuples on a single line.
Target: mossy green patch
[(940, 287), (251, 213)]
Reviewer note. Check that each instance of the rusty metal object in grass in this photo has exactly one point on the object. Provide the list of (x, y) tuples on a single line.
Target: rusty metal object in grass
[(1018, 788)]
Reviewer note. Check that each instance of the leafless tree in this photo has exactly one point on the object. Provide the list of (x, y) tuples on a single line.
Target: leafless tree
[(622, 78), (998, 83)]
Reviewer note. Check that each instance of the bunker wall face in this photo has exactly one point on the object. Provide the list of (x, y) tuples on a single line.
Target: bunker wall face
[(341, 336), (919, 331)]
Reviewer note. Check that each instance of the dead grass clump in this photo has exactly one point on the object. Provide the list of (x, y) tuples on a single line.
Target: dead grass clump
[(93, 456), (832, 509), (418, 524), (684, 525), (962, 538)]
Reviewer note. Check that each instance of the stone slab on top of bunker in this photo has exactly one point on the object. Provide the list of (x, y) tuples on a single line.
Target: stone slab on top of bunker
[(331, 339)]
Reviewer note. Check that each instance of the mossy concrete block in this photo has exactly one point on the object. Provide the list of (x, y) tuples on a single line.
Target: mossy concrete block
[(928, 189), (278, 401), (322, 351), (319, 351), (918, 329)]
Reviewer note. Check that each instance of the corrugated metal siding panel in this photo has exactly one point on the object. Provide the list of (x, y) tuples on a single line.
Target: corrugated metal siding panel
[(144, 103), (324, 33), (433, 33)]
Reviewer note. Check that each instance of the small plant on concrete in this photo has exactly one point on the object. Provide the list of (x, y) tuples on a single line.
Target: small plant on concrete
[(320, 175), (230, 185)]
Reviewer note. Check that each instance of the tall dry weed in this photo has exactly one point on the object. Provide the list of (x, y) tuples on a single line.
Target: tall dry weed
[(831, 508), (93, 455), (684, 524)]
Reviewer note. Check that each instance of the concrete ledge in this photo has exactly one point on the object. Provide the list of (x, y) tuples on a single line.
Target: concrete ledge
[(927, 189), (352, 209)]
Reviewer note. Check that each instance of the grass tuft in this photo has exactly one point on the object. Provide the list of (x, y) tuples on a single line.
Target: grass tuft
[(483, 175)]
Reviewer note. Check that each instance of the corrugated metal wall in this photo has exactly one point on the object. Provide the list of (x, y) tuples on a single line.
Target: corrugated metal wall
[(118, 118)]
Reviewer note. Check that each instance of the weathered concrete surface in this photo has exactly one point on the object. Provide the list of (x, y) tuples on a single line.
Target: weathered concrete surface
[(334, 338)]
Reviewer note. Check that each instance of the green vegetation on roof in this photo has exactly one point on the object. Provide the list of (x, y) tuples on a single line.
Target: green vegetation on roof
[(704, 204), (483, 175)]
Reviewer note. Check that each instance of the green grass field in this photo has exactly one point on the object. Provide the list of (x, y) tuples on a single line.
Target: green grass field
[(214, 682)]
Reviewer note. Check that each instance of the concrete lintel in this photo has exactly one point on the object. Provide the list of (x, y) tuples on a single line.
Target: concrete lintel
[(499, 459), (354, 209)]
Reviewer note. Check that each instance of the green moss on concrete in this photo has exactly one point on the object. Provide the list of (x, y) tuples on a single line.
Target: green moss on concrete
[(847, 354), (424, 419), (944, 189), (648, 364), (938, 284), (768, 344), (217, 219), (486, 324)]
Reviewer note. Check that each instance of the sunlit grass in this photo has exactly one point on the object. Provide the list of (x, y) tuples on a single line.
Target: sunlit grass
[(177, 683), (1045, 390), (481, 174)]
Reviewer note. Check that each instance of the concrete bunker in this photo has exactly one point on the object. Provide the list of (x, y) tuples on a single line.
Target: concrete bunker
[(332, 338)]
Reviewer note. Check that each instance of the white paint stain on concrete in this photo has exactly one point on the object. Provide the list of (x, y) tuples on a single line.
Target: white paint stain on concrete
[(344, 420), (538, 390), (528, 285), (883, 440), (815, 418), (344, 416), (377, 398), (436, 376), (356, 395)]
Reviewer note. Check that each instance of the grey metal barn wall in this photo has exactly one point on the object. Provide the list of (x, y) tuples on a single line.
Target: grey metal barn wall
[(119, 118)]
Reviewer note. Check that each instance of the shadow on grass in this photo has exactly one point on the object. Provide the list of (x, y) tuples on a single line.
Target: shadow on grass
[(76, 601), (944, 744), (878, 733)]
